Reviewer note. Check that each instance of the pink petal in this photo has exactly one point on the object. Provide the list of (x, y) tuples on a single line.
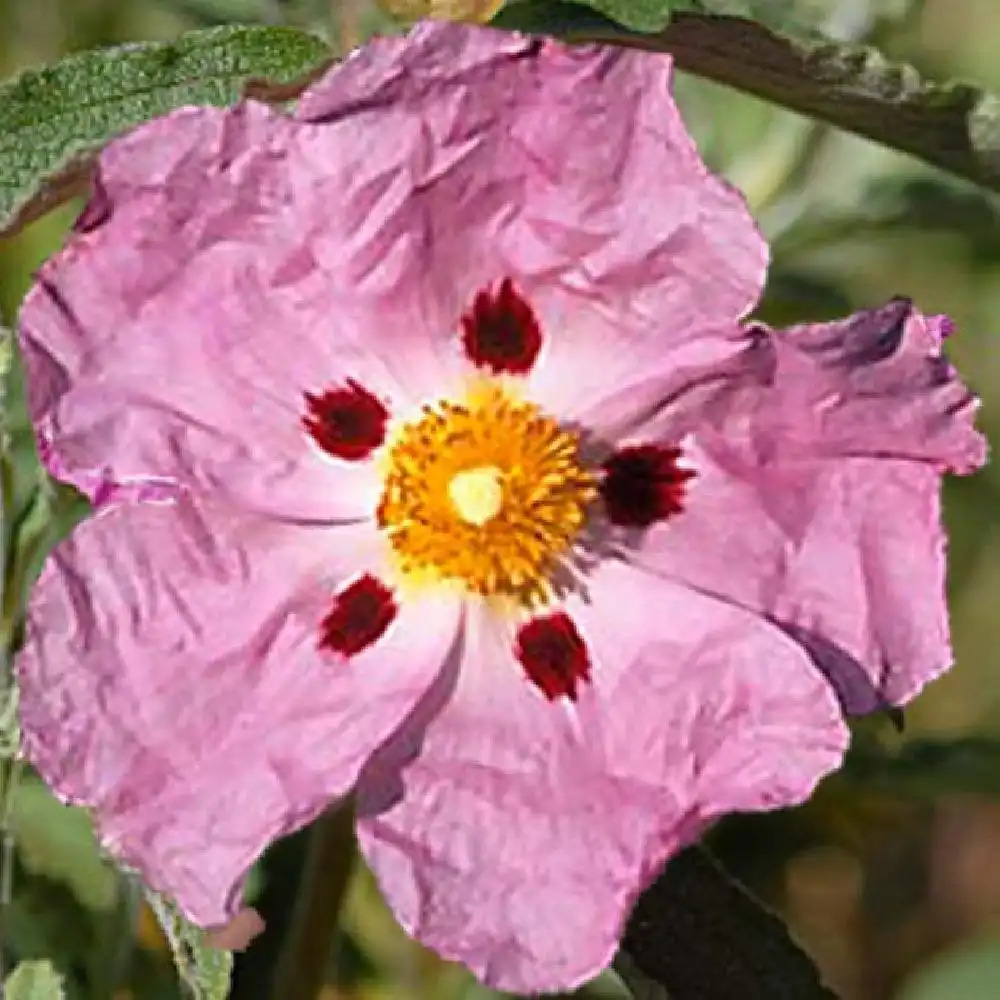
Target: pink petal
[(522, 830), (176, 338), (817, 501), (875, 384), (99, 487), (668, 390), (172, 682), (469, 179)]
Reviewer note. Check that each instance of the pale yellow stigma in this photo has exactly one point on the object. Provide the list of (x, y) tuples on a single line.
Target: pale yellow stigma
[(489, 492), (477, 494)]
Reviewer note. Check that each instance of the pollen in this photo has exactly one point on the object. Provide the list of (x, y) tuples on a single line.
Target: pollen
[(489, 492)]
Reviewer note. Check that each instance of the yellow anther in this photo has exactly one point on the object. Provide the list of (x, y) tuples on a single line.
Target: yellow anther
[(489, 492)]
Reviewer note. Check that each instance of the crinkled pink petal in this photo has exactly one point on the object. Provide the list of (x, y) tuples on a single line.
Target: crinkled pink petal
[(176, 338), (233, 259), (469, 180), (172, 683), (674, 389), (519, 831), (817, 500), (98, 486), (876, 384)]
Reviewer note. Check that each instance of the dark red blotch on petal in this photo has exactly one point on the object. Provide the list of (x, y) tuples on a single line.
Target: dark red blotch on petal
[(643, 484), (501, 332), (348, 423), (553, 654), (361, 613)]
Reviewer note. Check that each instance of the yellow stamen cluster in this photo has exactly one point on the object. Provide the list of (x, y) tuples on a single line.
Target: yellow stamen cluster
[(490, 492)]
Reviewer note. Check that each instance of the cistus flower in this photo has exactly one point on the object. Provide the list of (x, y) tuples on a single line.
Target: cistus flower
[(469, 493)]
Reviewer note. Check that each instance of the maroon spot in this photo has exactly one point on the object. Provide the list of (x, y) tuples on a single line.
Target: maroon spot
[(643, 484), (360, 615), (349, 423), (500, 331), (553, 654)]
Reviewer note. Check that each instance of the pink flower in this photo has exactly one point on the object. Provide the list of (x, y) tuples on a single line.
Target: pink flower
[(479, 499)]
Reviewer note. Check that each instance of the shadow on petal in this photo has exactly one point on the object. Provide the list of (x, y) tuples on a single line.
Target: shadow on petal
[(380, 785), (857, 692)]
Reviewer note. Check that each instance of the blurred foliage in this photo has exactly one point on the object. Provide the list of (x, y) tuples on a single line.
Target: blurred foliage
[(58, 842), (888, 875), (38, 510), (970, 971), (33, 981)]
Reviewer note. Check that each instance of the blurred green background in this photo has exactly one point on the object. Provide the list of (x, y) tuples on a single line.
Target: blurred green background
[(894, 891)]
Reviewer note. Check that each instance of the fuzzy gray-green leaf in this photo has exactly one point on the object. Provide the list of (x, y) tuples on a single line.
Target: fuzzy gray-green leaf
[(204, 972), (53, 120)]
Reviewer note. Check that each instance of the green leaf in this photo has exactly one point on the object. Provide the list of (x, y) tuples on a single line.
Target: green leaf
[(17, 437), (58, 841), (91, 948), (33, 981), (639, 15), (6, 357), (800, 17), (926, 768), (696, 934), (647, 16), (10, 732), (53, 120), (53, 511), (44, 918), (951, 125), (205, 972), (37, 511)]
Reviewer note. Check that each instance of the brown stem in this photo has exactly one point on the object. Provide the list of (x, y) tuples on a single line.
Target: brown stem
[(329, 861)]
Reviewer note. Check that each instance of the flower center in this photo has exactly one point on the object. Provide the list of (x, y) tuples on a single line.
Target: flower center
[(490, 492), (477, 494)]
